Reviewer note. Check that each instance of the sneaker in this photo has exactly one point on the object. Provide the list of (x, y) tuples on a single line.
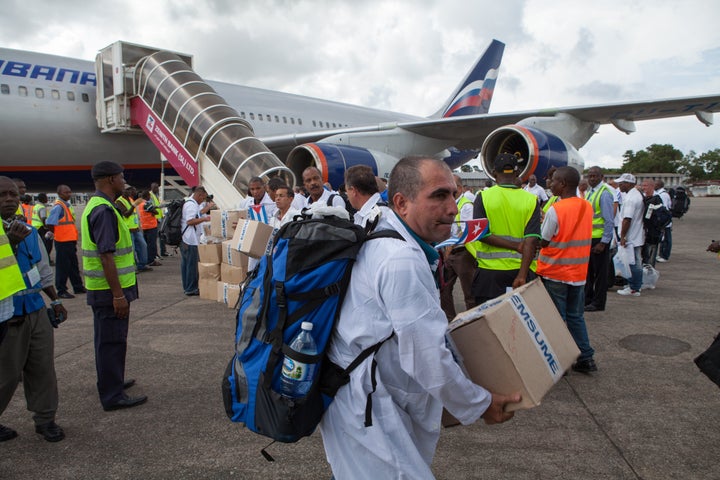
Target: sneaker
[(65, 295), (629, 291), (50, 431), (661, 259), (585, 366)]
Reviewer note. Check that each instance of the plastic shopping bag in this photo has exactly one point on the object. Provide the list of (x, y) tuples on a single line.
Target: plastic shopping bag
[(650, 277), (621, 260)]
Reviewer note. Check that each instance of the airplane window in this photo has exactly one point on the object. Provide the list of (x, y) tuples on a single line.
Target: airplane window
[(292, 120), (5, 89), (55, 94), (71, 96), (277, 119), (252, 116), (284, 119), (242, 114), (260, 116), (39, 93), (321, 124), (299, 121), (314, 123), (85, 97), (22, 91), (333, 124)]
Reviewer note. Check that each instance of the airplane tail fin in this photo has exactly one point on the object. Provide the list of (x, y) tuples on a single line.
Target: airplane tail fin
[(474, 94)]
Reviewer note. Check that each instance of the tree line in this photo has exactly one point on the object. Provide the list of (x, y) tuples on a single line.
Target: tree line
[(668, 159)]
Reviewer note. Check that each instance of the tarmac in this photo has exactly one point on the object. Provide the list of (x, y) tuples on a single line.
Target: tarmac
[(648, 413)]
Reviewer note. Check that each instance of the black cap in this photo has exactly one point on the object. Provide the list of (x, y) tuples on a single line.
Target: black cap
[(506, 163), (105, 169)]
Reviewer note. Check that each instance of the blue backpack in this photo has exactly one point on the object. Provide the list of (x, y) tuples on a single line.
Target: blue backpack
[(304, 279)]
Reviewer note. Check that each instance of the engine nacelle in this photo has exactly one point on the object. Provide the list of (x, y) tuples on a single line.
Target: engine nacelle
[(332, 161), (537, 150)]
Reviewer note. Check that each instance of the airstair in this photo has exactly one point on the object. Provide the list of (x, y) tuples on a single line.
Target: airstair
[(156, 92)]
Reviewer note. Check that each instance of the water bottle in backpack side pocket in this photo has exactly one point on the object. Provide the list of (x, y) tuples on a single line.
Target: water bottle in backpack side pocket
[(297, 377)]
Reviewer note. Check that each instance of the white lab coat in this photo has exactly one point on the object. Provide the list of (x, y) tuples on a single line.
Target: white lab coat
[(392, 289)]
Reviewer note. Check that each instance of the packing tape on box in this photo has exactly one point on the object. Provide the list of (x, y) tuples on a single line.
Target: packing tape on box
[(537, 336), (224, 223)]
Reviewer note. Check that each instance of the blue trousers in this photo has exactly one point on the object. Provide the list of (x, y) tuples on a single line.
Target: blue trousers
[(666, 244), (110, 348), (140, 246), (151, 236), (570, 302), (189, 267), (636, 270)]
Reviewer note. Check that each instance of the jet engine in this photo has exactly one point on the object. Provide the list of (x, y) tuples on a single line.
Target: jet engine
[(332, 160), (536, 150)]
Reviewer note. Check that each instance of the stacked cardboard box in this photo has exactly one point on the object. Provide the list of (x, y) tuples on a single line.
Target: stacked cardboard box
[(209, 269)]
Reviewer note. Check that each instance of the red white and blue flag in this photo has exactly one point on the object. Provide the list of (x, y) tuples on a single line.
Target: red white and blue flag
[(466, 232), (258, 213)]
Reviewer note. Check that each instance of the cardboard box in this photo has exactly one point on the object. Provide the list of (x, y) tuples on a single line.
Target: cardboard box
[(252, 238), (232, 274), (210, 253), (223, 222), (516, 342), (228, 293), (232, 257), (209, 271), (208, 289)]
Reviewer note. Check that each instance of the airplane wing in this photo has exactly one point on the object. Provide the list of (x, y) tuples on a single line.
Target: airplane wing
[(469, 132)]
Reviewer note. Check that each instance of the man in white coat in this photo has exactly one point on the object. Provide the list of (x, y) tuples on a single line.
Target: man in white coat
[(394, 291)]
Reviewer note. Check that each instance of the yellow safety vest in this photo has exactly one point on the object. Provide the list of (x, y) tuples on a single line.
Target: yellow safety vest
[(36, 220), (133, 221), (508, 211), (11, 278), (159, 212), (598, 221), (549, 203), (123, 255)]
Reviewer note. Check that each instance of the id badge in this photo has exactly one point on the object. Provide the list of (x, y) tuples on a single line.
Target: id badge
[(33, 276)]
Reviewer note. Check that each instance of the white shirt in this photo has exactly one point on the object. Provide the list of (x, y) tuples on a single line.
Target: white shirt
[(191, 210), (337, 200), (276, 221), (634, 209), (538, 191), (392, 290), (266, 201), (667, 201), (369, 211), (469, 195)]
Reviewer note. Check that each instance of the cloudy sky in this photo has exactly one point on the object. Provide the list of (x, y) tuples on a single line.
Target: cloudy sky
[(408, 55)]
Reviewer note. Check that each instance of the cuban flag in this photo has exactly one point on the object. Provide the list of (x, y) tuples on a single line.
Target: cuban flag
[(258, 213), (466, 232)]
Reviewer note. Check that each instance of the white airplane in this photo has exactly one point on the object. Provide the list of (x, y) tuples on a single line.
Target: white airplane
[(53, 131)]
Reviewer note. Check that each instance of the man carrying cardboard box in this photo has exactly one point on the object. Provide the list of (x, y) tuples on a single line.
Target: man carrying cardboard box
[(413, 375), (564, 256)]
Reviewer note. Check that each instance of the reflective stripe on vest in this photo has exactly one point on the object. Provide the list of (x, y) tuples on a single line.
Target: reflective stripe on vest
[(508, 211), (132, 222), (158, 212), (11, 278), (598, 221), (123, 255), (36, 220), (65, 230), (565, 259)]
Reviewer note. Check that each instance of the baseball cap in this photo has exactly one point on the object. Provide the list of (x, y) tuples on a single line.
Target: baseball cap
[(506, 163), (627, 177)]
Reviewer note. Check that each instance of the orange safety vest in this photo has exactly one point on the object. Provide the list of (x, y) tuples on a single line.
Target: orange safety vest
[(27, 213), (566, 258), (148, 220), (65, 230)]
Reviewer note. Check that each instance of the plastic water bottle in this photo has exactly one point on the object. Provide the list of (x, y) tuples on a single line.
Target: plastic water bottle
[(297, 377)]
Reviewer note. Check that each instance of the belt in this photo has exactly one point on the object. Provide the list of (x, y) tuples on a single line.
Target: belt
[(16, 320)]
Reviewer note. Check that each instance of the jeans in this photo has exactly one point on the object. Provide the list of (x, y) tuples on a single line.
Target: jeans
[(649, 253), (570, 302), (151, 236), (636, 270), (666, 244), (140, 249), (189, 267)]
